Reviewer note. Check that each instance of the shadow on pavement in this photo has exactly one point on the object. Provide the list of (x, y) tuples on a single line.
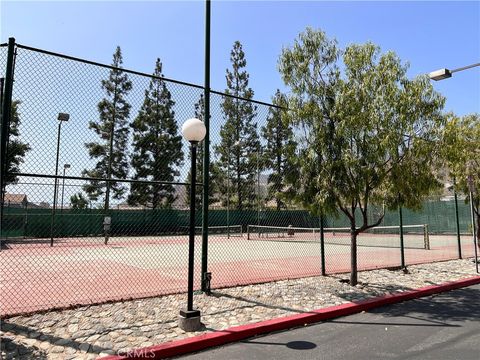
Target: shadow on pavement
[(456, 305), (294, 345)]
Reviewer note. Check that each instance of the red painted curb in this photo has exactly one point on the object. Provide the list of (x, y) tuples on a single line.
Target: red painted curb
[(201, 342)]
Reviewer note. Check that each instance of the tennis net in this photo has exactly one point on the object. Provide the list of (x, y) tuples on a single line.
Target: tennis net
[(226, 230), (415, 236)]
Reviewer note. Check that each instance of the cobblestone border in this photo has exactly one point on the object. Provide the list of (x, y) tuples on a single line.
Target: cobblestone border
[(209, 340)]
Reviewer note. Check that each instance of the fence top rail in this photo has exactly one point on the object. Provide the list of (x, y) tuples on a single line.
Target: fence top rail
[(3, 44), (245, 99), (103, 179), (68, 57), (73, 58)]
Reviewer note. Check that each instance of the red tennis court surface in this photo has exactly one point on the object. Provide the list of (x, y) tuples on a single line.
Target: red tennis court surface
[(35, 276)]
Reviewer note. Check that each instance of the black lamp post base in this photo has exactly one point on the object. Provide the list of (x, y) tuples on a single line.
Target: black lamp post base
[(189, 313), (189, 320)]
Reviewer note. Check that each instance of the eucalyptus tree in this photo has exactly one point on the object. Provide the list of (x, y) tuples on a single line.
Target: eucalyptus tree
[(368, 132), (461, 152)]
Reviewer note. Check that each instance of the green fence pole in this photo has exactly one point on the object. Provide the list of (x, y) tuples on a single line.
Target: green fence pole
[(206, 152), (6, 114), (457, 220), (402, 247), (322, 244), (472, 212), (25, 220)]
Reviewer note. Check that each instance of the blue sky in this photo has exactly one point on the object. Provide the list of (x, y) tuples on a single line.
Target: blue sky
[(429, 35)]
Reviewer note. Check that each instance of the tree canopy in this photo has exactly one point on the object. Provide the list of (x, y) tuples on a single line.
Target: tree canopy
[(367, 131), (461, 153), (78, 201), (16, 149)]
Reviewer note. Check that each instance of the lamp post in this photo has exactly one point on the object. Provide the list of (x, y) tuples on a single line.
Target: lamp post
[(62, 117), (194, 131), (65, 167)]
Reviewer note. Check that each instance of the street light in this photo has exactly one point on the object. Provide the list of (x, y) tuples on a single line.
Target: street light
[(194, 131), (62, 117), (442, 74), (65, 167)]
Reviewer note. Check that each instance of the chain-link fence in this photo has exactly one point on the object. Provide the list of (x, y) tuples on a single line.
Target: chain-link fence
[(96, 203)]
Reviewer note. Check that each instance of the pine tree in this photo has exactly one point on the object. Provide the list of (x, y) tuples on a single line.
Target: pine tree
[(239, 147), (279, 152), (112, 128), (16, 149), (157, 146)]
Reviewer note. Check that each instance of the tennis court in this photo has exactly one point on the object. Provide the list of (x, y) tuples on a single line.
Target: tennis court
[(84, 270)]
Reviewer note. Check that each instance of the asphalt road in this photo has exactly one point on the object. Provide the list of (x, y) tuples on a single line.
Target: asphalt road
[(444, 326)]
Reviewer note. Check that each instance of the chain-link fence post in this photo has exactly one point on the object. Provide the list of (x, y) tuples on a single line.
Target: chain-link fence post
[(472, 212), (402, 245), (206, 152), (6, 114), (322, 243), (456, 218), (2, 83)]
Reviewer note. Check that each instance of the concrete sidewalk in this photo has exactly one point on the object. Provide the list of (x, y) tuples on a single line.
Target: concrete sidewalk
[(443, 326)]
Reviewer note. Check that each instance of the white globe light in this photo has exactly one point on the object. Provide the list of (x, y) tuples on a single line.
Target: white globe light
[(194, 130)]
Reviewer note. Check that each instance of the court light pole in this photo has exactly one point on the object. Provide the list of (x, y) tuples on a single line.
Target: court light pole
[(194, 131), (228, 192), (65, 167), (259, 154), (62, 117), (236, 145)]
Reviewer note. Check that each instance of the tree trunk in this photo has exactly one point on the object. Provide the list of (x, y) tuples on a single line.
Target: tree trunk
[(353, 256)]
